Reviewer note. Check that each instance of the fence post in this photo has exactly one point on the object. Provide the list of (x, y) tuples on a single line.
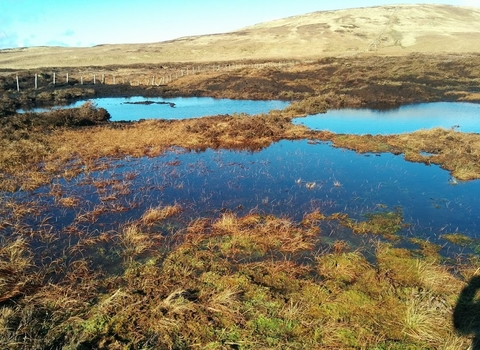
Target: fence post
[(53, 78), (18, 84), (67, 78), (36, 81), (114, 80), (94, 79)]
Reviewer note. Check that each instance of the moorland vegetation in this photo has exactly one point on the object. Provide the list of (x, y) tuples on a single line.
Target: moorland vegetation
[(230, 282)]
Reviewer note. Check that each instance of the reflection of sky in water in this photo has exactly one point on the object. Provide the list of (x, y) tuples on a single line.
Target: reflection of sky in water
[(185, 107), (210, 182), (463, 116)]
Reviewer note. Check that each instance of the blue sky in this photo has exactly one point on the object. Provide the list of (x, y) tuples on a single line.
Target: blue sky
[(26, 23)]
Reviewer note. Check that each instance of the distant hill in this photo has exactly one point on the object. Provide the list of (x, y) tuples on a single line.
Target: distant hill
[(385, 30)]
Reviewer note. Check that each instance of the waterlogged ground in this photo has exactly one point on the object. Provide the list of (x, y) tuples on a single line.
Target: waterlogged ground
[(287, 179), (110, 259), (137, 107), (461, 116)]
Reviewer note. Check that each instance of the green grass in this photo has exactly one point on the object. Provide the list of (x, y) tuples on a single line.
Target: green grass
[(245, 282)]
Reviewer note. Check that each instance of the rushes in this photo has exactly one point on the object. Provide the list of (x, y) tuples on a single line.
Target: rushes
[(15, 263), (135, 242), (252, 281), (50, 154), (154, 215)]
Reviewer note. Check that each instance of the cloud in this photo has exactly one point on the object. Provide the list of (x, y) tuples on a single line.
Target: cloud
[(8, 40)]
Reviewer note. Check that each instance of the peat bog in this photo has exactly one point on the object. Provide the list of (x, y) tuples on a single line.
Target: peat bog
[(239, 231)]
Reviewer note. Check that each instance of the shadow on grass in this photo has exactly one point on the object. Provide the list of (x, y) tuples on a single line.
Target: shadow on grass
[(466, 316)]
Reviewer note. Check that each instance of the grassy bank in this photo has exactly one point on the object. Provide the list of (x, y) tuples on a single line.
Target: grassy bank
[(31, 158), (332, 82)]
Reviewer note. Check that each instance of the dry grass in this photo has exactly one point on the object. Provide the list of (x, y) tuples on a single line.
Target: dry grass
[(396, 30), (154, 215), (32, 153), (242, 282), (250, 282)]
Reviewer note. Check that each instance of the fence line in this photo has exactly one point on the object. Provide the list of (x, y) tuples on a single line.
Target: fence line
[(144, 79)]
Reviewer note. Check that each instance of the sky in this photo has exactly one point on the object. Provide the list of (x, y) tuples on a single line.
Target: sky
[(81, 23)]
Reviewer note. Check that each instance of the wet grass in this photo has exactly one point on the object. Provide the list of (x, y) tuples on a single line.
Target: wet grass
[(37, 157), (388, 224), (228, 281), (454, 151), (233, 282), (35, 148), (463, 241)]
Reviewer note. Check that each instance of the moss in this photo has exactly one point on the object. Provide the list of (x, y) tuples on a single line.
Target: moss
[(195, 293), (385, 223), (462, 240), (256, 281)]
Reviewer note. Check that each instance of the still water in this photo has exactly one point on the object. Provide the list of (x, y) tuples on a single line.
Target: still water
[(289, 178), (274, 181), (461, 116), (136, 108)]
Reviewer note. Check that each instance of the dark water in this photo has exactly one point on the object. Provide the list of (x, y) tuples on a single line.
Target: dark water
[(289, 178), (274, 180), (461, 116), (177, 107)]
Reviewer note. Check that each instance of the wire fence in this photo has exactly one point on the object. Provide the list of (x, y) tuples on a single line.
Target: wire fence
[(162, 77)]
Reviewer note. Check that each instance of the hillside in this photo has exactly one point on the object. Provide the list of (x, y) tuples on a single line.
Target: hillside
[(385, 30)]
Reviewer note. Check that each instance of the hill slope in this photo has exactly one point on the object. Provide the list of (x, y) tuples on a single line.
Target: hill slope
[(390, 30)]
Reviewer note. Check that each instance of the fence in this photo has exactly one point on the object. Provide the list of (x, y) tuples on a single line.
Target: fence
[(163, 78)]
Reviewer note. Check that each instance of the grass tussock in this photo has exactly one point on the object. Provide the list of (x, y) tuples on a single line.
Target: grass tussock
[(32, 161), (154, 215), (34, 148), (387, 224), (235, 282), (454, 151), (16, 261)]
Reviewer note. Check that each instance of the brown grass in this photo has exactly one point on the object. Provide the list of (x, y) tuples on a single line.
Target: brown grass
[(154, 215), (348, 32), (31, 153), (253, 282), (455, 151)]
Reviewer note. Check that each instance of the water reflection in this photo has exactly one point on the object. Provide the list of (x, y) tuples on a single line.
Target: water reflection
[(290, 179), (461, 116), (136, 108)]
